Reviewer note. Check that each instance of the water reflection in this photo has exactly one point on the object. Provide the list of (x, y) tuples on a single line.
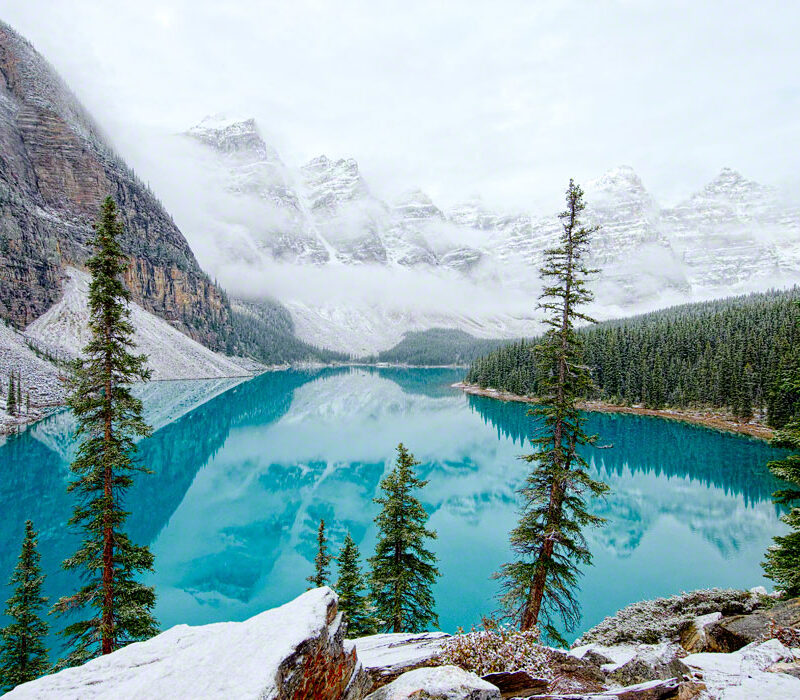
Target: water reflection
[(245, 472)]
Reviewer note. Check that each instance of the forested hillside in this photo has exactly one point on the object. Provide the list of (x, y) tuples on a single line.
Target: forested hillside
[(438, 346), (726, 354), (264, 331)]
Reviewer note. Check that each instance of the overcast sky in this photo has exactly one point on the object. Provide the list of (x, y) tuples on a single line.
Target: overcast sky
[(506, 99)]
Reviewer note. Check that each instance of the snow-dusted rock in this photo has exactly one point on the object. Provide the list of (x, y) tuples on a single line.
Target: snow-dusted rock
[(628, 664), (743, 674), (387, 656), (516, 683), (732, 633), (693, 637), (295, 651), (441, 683)]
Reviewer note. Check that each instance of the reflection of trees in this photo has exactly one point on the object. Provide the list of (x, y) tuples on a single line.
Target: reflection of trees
[(654, 445), (434, 383)]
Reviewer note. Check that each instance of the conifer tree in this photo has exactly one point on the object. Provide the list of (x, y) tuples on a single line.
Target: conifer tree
[(117, 609), (403, 569), (351, 588), (19, 392), (548, 539), (11, 399), (23, 656), (782, 563), (321, 573)]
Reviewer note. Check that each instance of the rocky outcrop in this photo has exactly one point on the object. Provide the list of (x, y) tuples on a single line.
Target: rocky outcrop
[(517, 684), (387, 656), (55, 168), (296, 651), (732, 633), (441, 683), (745, 673), (639, 663)]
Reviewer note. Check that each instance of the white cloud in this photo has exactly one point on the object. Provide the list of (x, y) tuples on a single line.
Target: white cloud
[(508, 98)]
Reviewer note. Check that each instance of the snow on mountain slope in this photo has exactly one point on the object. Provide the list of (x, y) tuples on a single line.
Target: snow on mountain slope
[(274, 226), (363, 328), (63, 329), (40, 379)]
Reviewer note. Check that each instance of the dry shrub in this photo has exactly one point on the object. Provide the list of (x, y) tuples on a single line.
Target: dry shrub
[(788, 636), (496, 648)]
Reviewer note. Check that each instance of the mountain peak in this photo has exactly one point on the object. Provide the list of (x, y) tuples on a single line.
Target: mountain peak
[(416, 204), (731, 184), (623, 177), (232, 135)]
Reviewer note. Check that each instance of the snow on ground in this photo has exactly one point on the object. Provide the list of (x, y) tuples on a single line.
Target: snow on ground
[(222, 660), (39, 378), (63, 329), (743, 675)]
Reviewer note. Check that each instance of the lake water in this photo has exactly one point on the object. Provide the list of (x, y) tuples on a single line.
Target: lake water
[(244, 471)]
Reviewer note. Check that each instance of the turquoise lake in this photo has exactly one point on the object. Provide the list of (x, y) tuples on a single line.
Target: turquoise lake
[(244, 471)]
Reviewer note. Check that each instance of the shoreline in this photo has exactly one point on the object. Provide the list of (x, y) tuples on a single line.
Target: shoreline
[(46, 410), (706, 419)]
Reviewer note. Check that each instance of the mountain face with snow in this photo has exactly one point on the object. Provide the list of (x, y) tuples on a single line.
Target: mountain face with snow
[(56, 167), (733, 235)]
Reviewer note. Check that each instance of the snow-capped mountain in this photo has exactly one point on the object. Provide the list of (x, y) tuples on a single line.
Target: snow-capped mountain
[(733, 235)]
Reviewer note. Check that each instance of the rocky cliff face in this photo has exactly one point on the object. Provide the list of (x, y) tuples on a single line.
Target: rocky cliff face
[(55, 168)]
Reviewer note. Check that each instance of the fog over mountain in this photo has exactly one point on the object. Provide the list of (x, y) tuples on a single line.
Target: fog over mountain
[(357, 271), (395, 167)]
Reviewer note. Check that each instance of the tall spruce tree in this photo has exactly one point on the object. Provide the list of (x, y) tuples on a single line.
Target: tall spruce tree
[(351, 588), (321, 574), (23, 656), (782, 563), (403, 569), (117, 608), (11, 399), (548, 540), (19, 392)]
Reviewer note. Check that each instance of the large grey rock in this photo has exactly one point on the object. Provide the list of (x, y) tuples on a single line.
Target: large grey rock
[(732, 633), (439, 683), (629, 664), (296, 651), (652, 690), (693, 636), (517, 684), (744, 674), (387, 656)]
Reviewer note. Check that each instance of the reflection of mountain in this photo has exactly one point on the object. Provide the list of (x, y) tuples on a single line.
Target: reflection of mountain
[(242, 478)]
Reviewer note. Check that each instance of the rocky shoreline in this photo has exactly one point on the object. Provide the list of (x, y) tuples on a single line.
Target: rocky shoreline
[(746, 647), (707, 419)]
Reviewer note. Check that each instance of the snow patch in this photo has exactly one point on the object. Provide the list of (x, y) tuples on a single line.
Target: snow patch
[(63, 329)]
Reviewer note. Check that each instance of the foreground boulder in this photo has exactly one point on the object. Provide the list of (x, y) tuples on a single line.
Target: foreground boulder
[(694, 636), (387, 656), (295, 651), (517, 684), (751, 673), (439, 683), (629, 664), (732, 633)]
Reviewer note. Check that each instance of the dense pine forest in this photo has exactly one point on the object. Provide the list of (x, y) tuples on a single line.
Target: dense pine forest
[(726, 354), (438, 346), (264, 331)]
